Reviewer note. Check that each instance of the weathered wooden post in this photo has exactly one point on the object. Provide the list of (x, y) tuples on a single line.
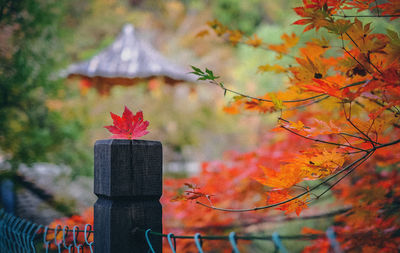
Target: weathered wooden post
[(128, 184)]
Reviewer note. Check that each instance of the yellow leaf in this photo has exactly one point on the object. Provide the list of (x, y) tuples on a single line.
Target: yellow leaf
[(277, 102), (235, 36), (275, 68), (218, 27), (298, 126), (290, 40), (202, 33), (255, 41), (285, 178), (316, 164), (232, 109)]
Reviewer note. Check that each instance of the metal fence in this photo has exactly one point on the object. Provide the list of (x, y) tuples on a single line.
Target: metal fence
[(21, 236)]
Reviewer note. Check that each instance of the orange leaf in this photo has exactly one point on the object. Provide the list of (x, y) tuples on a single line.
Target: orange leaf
[(275, 68), (255, 41), (202, 33)]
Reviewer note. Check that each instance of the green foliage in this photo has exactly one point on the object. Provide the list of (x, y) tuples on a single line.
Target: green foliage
[(30, 57), (207, 75), (241, 15)]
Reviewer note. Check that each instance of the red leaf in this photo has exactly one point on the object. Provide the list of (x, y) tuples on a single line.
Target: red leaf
[(331, 89), (301, 22), (128, 126)]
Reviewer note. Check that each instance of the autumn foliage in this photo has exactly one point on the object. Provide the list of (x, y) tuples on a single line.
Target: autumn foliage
[(340, 109), (338, 132)]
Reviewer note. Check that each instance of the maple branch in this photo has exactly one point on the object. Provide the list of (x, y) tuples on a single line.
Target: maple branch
[(348, 118), (354, 152), (354, 58), (381, 104), (270, 219), (352, 169), (369, 61), (261, 99), (222, 86), (345, 175), (310, 103), (366, 16), (358, 137), (293, 198), (325, 97), (344, 137), (388, 144), (326, 142)]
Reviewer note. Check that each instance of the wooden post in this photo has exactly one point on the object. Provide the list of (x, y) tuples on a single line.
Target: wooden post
[(128, 184)]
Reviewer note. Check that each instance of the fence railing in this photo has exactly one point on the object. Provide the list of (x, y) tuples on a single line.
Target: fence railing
[(127, 214), (19, 235)]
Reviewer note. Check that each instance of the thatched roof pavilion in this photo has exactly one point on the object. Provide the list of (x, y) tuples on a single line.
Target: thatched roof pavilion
[(127, 61)]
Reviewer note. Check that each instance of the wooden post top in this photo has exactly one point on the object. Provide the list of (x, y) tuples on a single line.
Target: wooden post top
[(128, 168)]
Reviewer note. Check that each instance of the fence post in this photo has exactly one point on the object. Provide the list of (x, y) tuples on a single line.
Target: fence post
[(128, 184)]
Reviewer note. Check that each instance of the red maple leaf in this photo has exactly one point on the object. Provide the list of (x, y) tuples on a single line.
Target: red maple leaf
[(128, 126)]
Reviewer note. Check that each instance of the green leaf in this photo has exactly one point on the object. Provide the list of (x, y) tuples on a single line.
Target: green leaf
[(236, 98), (196, 70), (393, 35)]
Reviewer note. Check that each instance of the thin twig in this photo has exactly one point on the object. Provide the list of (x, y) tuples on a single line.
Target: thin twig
[(283, 101), (269, 219), (345, 175), (291, 199), (358, 137), (366, 16), (321, 141), (369, 61), (348, 118)]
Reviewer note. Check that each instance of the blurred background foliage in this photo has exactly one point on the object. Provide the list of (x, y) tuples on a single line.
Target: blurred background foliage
[(31, 52), (45, 118)]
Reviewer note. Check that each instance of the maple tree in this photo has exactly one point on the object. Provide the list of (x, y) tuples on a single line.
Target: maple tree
[(340, 108), (338, 133)]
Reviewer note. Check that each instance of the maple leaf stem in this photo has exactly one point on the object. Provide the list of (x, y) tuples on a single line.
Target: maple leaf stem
[(321, 141), (354, 163)]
